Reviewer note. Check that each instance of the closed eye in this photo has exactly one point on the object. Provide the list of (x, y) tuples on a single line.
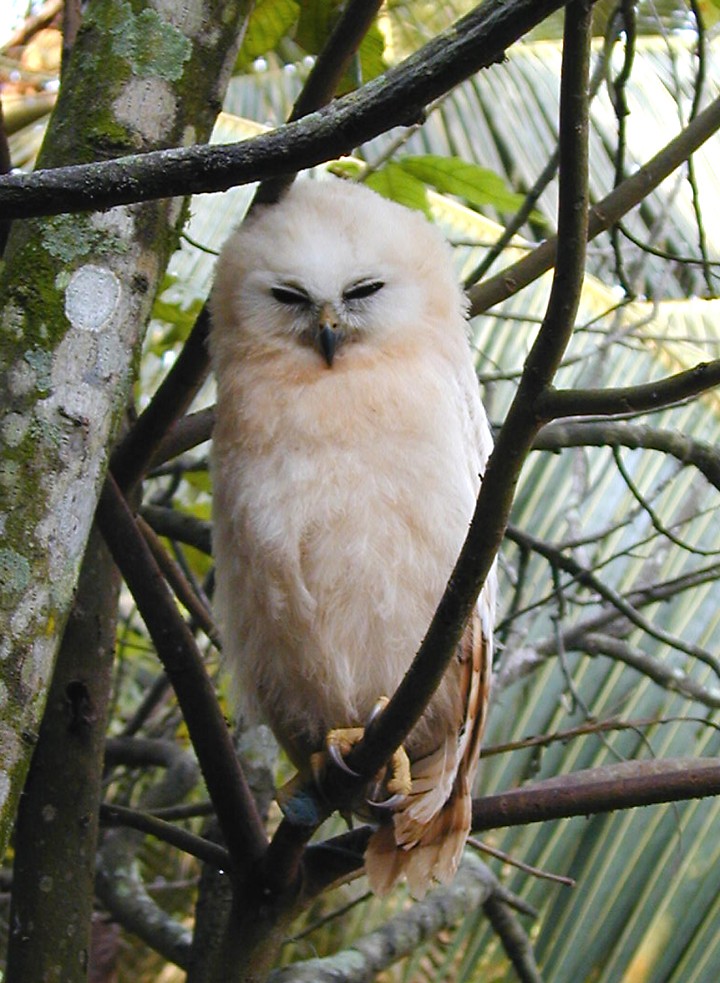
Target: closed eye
[(292, 296), (363, 289)]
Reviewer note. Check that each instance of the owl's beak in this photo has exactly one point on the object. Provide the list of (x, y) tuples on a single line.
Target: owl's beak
[(327, 337)]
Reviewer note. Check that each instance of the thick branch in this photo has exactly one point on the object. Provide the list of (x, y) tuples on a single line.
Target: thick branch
[(398, 97), (609, 788), (618, 786), (515, 439)]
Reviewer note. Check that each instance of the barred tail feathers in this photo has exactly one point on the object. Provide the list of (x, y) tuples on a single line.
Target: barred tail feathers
[(421, 852)]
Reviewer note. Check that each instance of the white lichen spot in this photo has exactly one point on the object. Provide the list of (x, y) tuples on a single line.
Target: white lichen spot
[(91, 297), (187, 16), (46, 884), (49, 813), (118, 221), (146, 106), (14, 428)]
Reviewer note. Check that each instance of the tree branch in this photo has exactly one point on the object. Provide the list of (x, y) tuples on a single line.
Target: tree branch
[(474, 42), (630, 399), (623, 785), (603, 215), (515, 438), (237, 814), (401, 934), (608, 433)]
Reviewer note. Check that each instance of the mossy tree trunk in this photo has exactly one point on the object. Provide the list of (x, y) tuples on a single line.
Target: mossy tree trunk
[(76, 293)]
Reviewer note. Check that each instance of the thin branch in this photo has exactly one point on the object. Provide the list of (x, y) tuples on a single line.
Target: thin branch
[(588, 579), (474, 42), (583, 730), (133, 456), (180, 585), (630, 399), (655, 519), (322, 82), (667, 676), (237, 814), (544, 875), (609, 433), (144, 822), (602, 215)]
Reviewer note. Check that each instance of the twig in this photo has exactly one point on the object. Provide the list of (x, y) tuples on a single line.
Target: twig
[(602, 215), (144, 822), (545, 875)]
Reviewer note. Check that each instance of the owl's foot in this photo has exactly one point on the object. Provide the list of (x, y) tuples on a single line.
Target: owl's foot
[(395, 779)]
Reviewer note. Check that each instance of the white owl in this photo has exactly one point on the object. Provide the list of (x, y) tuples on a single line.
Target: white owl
[(349, 445)]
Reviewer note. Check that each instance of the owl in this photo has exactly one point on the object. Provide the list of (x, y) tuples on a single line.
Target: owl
[(348, 450)]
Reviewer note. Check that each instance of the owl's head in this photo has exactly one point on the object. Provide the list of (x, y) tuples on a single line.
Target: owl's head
[(332, 266)]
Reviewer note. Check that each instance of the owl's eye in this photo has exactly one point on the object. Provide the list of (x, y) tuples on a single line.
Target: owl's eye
[(292, 296), (366, 288)]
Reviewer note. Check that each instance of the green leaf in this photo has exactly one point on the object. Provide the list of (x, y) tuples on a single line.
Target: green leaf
[(394, 182), (317, 19), (454, 176), (271, 20)]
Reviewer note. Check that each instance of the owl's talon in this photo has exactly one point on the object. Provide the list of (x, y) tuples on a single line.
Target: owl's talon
[(335, 753), (391, 804)]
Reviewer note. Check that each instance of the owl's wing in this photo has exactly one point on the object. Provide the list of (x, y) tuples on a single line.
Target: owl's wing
[(429, 830)]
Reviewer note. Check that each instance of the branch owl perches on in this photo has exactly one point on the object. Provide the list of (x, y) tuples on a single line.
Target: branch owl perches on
[(348, 448)]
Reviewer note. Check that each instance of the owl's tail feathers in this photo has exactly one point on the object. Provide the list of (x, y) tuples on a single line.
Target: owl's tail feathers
[(420, 852)]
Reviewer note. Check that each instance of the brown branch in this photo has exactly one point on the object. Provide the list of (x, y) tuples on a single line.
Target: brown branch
[(237, 814), (325, 77), (515, 438), (561, 561), (132, 457), (608, 433), (606, 213), (609, 788), (474, 42), (210, 853), (623, 785), (630, 399)]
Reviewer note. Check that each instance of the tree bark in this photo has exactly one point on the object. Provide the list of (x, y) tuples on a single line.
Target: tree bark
[(57, 827), (75, 295)]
